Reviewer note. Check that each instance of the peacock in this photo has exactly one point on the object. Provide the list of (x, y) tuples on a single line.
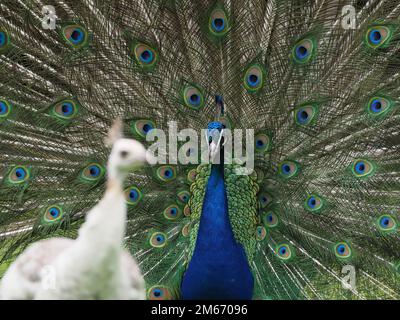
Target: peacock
[(315, 83), (93, 266)]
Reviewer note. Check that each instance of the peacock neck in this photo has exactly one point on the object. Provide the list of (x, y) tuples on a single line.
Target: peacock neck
[(219, 268)]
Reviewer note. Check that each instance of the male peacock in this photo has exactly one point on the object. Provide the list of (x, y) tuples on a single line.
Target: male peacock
[(324, 103)]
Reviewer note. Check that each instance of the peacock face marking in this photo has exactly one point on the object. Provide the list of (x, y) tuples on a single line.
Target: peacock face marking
[(214, 136)]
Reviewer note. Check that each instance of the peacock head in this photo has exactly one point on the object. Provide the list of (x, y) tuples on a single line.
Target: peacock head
[(126, 154), (214, 136)]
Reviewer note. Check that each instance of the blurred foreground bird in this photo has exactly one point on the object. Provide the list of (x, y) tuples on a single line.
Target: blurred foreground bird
[(95, 265)]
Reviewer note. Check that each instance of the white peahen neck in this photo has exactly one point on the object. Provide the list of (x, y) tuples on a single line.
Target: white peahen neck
[(104, 228)]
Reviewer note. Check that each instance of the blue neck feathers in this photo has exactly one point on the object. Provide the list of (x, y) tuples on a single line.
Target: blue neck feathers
[(219, 268)]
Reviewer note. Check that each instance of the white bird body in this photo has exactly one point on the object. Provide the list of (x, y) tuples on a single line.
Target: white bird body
[(95, 265)]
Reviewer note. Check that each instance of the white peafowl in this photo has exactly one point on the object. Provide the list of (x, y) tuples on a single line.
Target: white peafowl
[(95, 265)]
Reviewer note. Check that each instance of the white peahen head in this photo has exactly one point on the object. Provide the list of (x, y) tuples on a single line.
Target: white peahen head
[(127, 155)]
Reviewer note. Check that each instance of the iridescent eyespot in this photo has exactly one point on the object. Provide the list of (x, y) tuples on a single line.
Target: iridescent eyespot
[(158, 293), (144, 55), (264, 198), (172, 212), (19, 174), (65, 109), (362, 168), (75, 35), (193, 97), (53, 213), (166, 173), (254, 78), (342, 250), (183, 196), (4, 41), (270, 219), (158, 239), (314, 203), (284, 252), (5, 109), (262, 142), (93, 172), (218, 23), (387, 223), (132, 195), (288, 169), (186, 229), (378, 106), (378, 36), (303, 51), (140, 128), (191, 176), (261, 233), (186, 211), (304, 115)]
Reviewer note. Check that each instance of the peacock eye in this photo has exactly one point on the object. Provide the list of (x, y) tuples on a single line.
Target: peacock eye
[(140, 128), (158, 293), (271, 219), (362, 168), (303, 51), (5, 108), (284, 252), (191, 176), (264, 198), (193, 97), (304, 115), (172, 212), (19, 174), (144, 55), (262, 142), (261, 233), (53, 213), (342, 250), (166, 173), (288, 169), (4, 40), (158, 239), (93, 172), (314, 203), (254, 78), (378, 106), (218, 23), (75, 35), (66, 109), (386, 223), (378, 36), (183, 196), (133, 195)]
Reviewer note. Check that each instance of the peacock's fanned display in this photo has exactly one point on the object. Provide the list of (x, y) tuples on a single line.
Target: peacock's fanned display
[(323, 101)]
